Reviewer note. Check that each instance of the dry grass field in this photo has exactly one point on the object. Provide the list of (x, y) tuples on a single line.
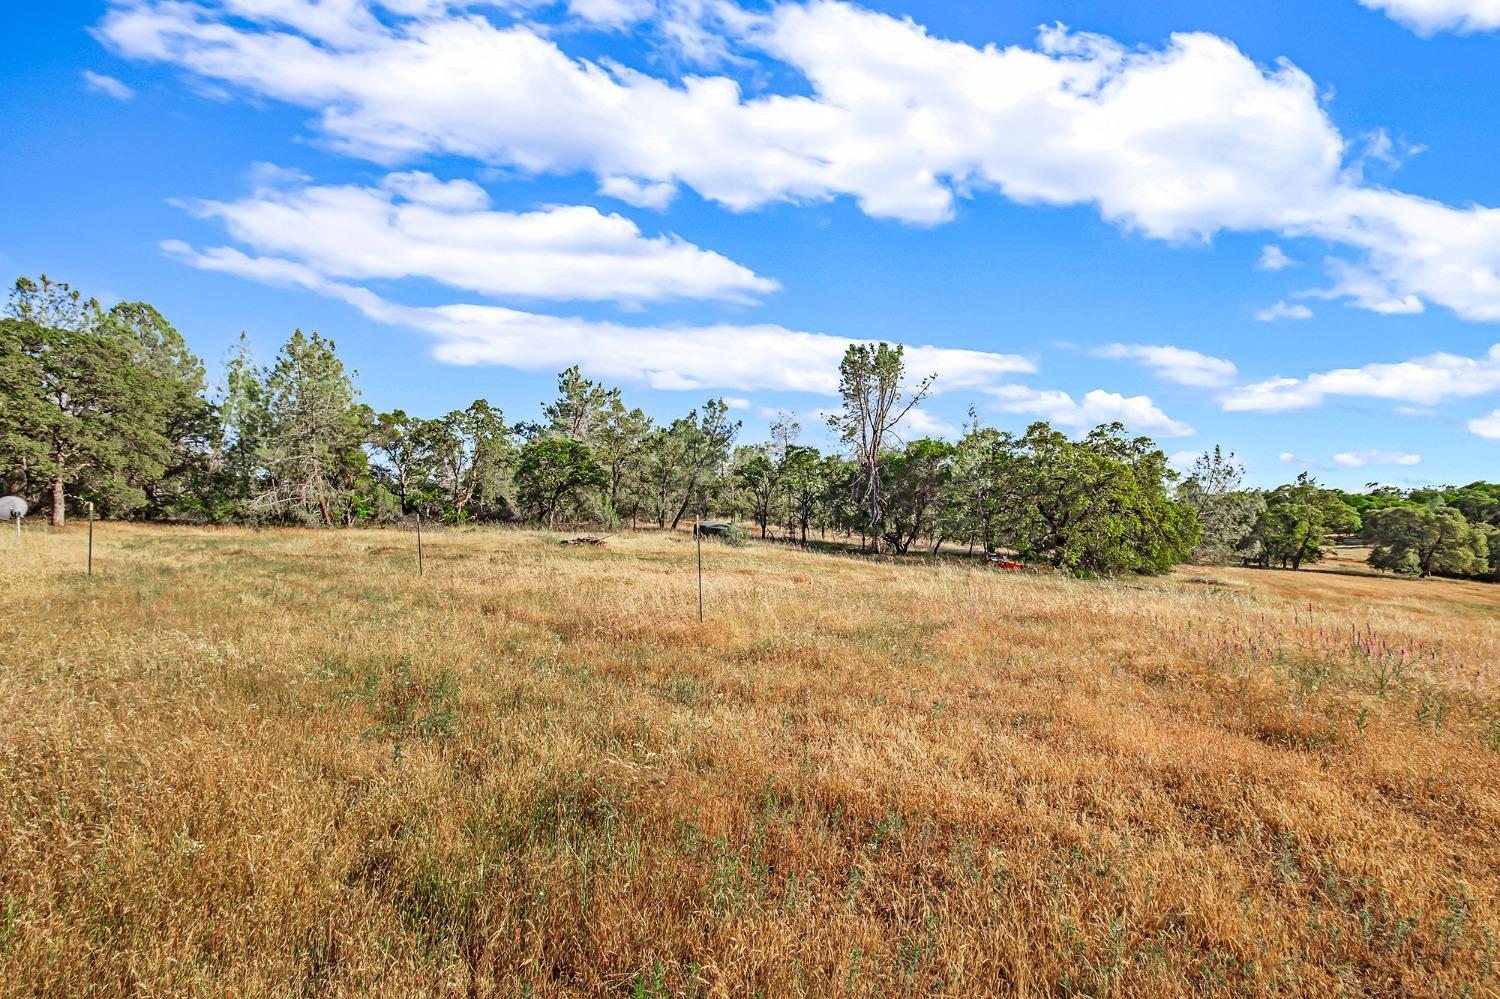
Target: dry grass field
[(278, 764)]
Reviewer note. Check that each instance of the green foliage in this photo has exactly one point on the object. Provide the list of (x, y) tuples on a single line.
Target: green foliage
[(1299, 522), (978, 496), (683, 463), (96, 404), (1093, 506), (802, 474), (1226, 511), (871, 380), (555, 476), (916, 481), (758, 480), (109, 406), (1427, 539), (313, 445)]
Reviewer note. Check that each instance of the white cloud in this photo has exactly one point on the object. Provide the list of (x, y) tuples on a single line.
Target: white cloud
[(1273, 258), (1422, 381), (749, 357), (1486, 426), (414, 225), (1183, 461), (1352, 459), (919, 422), (736, 402), (1175, 364), (107, 85), (1177, 142), (1138, 412), (610, 13), (638, 193), (1281, 310), (1368, 290), (1428, 17), (1374, 456)]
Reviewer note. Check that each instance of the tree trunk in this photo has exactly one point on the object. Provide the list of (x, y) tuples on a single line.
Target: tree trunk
[(692, 488), (59, 513), (323, 504)]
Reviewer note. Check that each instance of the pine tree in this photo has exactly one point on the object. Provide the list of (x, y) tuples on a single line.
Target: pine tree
[(315, 432)]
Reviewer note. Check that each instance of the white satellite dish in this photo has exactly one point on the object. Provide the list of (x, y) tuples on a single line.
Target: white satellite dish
[(13, 508)]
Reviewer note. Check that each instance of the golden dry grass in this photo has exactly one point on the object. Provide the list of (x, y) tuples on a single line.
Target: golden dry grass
[(240, 763)]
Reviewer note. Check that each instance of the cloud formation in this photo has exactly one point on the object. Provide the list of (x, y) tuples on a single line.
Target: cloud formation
[(1273, 258), (1374, 456), (1177, 142), (1422, 381), (1487, 427), (1281, 310), (1428, 17), (107, 85), (1138, 412), (413, 225), (1175, 364), (743, 357)]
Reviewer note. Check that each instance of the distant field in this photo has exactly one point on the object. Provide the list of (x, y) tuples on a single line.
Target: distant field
[(278, 763)]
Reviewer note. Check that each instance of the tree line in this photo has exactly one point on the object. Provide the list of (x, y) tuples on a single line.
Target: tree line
[(1431, 531), (109, 406)]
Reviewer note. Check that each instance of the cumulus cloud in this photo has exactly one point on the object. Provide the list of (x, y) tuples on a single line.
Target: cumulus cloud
[(1273, 258), (107, 85), (1352, 459), (1487, 427), (415, 225), (1183, 460), (1281, 310), (1138, 412), (919, 422), (1175, 364), (1374, 456), (1428, 17), (1422, 381), (744, 357), (1179, 142)]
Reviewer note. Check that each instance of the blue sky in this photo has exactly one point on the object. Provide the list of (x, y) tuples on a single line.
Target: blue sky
[(1258, 225)]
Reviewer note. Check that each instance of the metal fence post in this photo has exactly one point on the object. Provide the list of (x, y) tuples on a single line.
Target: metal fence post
[(419, 544)]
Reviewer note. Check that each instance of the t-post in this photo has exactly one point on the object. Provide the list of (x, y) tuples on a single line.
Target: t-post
[(698, 536), (419, 544), (91, 539)]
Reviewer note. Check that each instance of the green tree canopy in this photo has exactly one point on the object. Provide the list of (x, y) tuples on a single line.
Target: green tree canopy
[(1226, 511), (101, 406), (875, 398), (1428, 539), (555, 476), (1096, 505), (313, 449), (1299, 522)]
